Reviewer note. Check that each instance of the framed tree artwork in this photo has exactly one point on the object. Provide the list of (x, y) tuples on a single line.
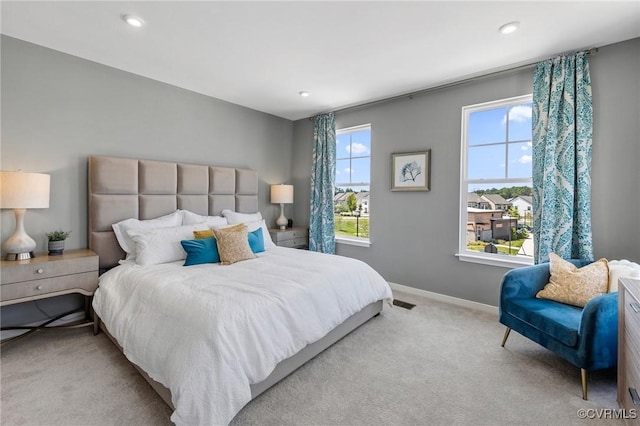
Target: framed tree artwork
[(410, 171)]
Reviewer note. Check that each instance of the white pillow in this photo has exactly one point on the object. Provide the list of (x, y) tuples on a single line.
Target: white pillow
[(162, 245), (191, 218), (621, 269), (121, 228), (235, 217), (253, 222)]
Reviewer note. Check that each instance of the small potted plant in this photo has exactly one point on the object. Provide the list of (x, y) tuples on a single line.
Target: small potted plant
[(56, 241)]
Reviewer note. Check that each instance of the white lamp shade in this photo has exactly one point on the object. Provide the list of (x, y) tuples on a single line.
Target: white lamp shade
[(20, 190), (282, 194)]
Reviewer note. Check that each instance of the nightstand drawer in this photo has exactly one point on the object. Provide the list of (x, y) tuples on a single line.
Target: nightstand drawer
[(280, 235), (632, 377), (85, 283), (300, 233), (295, 242), (48, 266), (632, 316)]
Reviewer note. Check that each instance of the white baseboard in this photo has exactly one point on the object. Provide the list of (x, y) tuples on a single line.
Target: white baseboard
[(74, 317), (444, 298)]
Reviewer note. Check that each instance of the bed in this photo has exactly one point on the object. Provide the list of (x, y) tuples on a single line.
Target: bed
[(209, 338)]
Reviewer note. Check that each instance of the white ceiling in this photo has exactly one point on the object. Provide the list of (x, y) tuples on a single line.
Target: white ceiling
[(261, 54)]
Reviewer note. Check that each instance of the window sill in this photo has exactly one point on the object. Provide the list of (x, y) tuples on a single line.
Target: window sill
[(353, 242), (511, 262)]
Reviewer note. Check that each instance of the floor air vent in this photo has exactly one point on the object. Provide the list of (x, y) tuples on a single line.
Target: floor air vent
[(402, 304)]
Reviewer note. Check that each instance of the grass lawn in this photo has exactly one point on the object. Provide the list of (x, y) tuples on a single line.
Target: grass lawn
[(501, 245), (346, 226)]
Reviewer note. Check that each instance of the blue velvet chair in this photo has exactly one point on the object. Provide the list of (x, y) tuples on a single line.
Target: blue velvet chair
[(586, 337)]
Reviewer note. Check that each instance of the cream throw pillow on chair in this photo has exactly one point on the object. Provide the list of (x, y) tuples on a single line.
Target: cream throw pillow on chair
[(575, 286)]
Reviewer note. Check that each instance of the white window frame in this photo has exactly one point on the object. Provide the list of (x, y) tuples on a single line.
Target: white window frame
[(463, 253), (353, 241)]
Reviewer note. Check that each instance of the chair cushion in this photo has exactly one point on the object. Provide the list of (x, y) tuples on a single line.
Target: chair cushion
[(558, 320)]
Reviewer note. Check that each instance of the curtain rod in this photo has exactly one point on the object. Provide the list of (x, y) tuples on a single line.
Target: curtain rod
[(411, 95)]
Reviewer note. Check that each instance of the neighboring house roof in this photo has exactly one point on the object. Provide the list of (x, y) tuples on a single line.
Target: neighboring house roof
[(525, 198), (473, 198), (495, 198), (342, 196), (360, 196)]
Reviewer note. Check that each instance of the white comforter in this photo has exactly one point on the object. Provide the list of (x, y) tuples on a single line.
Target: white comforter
[(208, 331)]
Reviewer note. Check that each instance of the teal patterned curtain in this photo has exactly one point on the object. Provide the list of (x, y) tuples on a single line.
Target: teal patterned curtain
[(323, 176), (562, 137)]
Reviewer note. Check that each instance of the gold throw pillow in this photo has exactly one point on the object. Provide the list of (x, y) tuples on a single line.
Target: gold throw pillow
[(199, 235), (208, 233)]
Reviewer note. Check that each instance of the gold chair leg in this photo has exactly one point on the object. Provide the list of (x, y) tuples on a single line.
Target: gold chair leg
[(583, 373), (506, 336)]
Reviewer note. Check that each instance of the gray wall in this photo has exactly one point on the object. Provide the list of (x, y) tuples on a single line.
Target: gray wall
[(58, 109), (415, 235)]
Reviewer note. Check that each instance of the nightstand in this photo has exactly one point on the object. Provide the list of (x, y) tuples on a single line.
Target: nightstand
[(295, 237), (75, 271)]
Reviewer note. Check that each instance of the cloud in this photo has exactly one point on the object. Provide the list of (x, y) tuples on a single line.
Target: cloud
[(520, 113), (347, 170), (357, 148), (525, 159)]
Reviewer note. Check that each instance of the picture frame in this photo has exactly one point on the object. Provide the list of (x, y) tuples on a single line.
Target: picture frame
[(411, 171)]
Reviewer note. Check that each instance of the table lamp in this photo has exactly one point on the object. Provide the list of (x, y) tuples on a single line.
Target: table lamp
[(21, 191), (282, 194)]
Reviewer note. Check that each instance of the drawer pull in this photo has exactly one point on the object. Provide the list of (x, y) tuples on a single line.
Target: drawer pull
[(40, 271), (635, 307), (634, 396), (39, 287)]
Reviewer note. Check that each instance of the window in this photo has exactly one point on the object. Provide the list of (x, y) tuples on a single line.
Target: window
[(352, 199), (496, 184)]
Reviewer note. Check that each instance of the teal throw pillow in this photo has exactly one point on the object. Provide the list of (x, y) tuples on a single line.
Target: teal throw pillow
[(200, 251), (256, 241)]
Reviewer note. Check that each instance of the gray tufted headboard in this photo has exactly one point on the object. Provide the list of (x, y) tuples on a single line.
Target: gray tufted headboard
[(122, 188)]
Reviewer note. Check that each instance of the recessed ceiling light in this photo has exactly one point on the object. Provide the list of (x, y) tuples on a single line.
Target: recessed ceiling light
[(304, 94), (509, 28), (134, 21)]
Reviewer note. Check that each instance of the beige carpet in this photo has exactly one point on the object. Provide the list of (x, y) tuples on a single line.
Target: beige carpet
[(437, 364)]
